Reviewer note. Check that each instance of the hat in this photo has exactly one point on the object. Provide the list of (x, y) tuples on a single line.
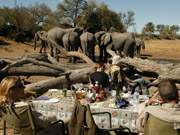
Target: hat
[(116, 60)]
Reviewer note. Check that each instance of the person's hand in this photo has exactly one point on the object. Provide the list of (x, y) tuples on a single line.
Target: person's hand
[(154, 99)]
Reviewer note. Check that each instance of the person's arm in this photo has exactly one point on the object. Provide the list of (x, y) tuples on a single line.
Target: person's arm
[(154, 99), (140, 119)]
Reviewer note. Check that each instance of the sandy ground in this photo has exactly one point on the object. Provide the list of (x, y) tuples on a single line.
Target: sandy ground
[(155, 50)]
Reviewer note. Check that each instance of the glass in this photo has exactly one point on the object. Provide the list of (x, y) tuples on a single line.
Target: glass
[(64, 91), (79, 95), (144, 91)]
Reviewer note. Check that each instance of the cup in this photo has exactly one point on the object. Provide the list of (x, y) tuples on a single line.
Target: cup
[(79, 95), (144, 90), (64, 91)]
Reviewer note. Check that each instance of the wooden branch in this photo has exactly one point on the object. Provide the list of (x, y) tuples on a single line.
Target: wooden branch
[(164, 71), (33, 70), (76, 76), (35, 62), (82, 56), (112, 53)]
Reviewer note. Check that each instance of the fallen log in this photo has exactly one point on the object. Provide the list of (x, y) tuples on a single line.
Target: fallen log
[(163, 71)]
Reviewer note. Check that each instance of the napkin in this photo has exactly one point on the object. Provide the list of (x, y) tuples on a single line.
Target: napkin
[(41, 98), (122, 103)]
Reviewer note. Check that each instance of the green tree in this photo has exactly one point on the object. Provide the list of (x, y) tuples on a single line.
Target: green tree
[(5, 25), (160, 28), (127, 19), (97, 17), (149, 28), (38, 15), (174, 29), (71, 9), (17, 19)]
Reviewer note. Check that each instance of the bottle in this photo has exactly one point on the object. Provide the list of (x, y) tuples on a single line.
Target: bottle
[(136, 100), (101, 94), (90, 88), (101, 88), (118, 91), (93, 97), (96, 87)]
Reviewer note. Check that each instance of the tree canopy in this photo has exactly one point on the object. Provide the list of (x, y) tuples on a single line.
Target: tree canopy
[(21, 23)]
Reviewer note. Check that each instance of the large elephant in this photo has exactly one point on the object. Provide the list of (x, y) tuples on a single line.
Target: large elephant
[(116, 41), (56, 34), (43, 42), (71, 41), (88, 42), (139, 43)]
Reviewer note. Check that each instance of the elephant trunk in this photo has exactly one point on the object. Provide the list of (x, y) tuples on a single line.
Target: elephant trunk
[(143, 45)]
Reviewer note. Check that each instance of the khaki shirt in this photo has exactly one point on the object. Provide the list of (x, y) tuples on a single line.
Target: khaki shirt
[(167, 112)]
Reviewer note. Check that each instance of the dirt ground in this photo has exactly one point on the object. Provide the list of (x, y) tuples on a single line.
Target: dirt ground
[(155, 50)]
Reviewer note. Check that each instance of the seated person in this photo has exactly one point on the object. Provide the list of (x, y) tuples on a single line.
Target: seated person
[(119, 76), (168, 110), (12, 89), (99, 75)]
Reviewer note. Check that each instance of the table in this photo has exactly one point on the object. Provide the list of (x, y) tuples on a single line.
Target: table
[(64, 107)]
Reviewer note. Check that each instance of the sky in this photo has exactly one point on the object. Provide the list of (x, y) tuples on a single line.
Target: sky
[(165, 12)]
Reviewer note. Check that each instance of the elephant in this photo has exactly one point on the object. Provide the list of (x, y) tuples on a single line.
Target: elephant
[(88, 43), (139, 43), (43, 42), (56, 35), (116, 41), (71, 42)]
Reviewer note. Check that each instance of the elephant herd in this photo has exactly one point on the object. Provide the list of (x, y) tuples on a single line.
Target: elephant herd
[(74, 38)]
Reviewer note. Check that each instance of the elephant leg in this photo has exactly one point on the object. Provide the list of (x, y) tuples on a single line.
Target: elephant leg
[(45, 49), (56, 52), (131, 51), (40, 51), (138, 51), (68, 48), (44, 46), (126, 51), (51, 50), (101, 53), (107, 55), (93, 56)]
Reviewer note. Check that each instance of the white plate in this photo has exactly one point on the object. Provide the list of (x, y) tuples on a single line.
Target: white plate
[(52, 90), (53, 100)]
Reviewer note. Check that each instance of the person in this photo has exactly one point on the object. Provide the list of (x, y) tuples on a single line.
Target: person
[(99, 75), (12, 91), (168, 110), (119, 77)]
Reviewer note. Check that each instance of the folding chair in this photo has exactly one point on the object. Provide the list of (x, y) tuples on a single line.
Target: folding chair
[(82, 122), (156, 126), (20, 118)]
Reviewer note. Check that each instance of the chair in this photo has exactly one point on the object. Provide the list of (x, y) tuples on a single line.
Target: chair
[(156, 126), (20, 118), (82, 122)]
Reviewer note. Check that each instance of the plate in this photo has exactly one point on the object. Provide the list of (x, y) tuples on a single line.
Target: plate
[(52, 90), (125, 95), (53, 100)]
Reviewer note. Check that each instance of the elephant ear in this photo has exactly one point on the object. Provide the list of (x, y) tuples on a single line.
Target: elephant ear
[(106, 39)]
